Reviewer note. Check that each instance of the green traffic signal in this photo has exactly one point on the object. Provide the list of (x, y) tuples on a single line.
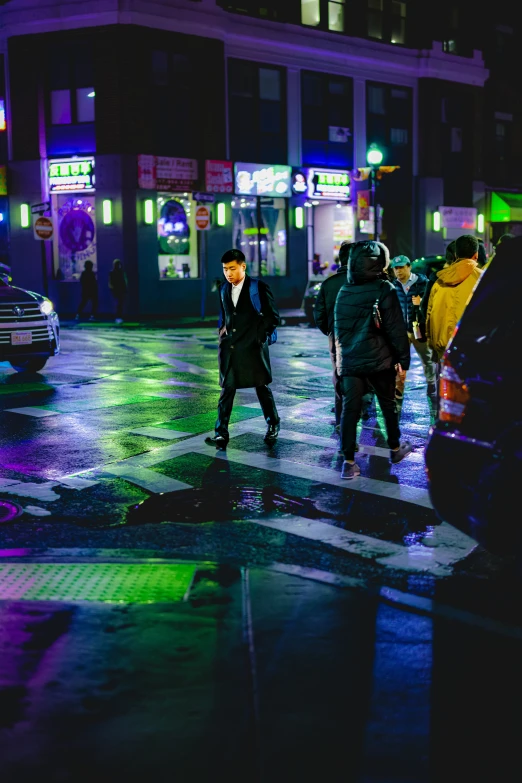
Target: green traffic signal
[(374, 156)]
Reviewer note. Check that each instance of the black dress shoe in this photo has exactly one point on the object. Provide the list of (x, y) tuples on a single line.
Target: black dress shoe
[(272, 433), (219, 441)]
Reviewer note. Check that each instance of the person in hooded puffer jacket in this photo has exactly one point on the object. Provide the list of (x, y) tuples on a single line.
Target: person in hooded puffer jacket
[(451, 293), (371, 345)]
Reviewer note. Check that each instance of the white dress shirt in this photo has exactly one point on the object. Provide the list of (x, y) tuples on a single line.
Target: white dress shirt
[(236, 290)]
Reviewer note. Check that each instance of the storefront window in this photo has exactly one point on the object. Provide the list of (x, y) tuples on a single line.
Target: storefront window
[(74, 241), (177, 237), (259, 230)]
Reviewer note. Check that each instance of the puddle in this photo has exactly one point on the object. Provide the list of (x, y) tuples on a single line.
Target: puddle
[(220, 504)]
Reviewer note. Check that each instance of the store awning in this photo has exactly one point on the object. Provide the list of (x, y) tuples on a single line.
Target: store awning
[(506, 207)]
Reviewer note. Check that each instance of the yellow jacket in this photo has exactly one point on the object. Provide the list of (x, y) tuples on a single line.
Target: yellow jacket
[(448, 299)]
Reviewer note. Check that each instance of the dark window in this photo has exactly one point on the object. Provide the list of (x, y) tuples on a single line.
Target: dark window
[(71, 95), (375, 18), (327, 120), (257, 112)]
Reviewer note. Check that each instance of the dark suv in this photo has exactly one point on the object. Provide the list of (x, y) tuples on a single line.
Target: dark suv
[(29, 327), (474, 453)]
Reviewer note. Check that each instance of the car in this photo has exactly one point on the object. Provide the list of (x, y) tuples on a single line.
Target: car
[(29, 327), (426, 265), (309, 300), (474, 451)]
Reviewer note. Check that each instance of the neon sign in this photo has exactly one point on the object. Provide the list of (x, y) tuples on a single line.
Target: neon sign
[(3, 124), (254, 179), (329, 184), (71, 174)]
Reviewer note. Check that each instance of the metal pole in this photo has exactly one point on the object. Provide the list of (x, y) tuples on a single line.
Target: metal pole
[(203, 260), (373, 204)]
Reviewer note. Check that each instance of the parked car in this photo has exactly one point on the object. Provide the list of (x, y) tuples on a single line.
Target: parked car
[(29, 327), (428, 264), (474, 452), (309, 302)]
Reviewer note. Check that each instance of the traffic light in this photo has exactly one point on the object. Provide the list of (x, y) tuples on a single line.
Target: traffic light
[(374, 155)]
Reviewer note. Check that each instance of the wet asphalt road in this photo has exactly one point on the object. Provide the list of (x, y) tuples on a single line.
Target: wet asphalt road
[(268, 572)]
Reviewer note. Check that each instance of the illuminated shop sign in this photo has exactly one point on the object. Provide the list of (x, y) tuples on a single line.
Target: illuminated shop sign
[(254, 179), (71, 174), (329, 184), (3, 124), (299, 182)]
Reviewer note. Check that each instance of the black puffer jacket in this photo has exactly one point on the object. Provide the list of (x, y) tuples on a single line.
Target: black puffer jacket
[(325, 302), (361, 348)]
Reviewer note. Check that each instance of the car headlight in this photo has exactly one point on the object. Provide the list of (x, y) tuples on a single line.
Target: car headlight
[(46, 307)]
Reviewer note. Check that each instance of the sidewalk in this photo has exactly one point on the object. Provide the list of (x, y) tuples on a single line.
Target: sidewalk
[(289, 318)]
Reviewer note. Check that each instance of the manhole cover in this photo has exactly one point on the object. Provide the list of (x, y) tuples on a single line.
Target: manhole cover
[(9, 510)]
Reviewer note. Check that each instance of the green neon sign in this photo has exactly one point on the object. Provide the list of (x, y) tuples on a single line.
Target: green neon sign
[(72, 174)]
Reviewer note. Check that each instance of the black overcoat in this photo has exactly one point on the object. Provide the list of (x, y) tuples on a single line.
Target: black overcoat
[(243, 349)]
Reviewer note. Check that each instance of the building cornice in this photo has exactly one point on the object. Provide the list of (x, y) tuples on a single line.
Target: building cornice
[(248, 38)]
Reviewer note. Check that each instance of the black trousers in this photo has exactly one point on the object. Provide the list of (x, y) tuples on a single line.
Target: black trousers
[(226, 400), (86, 298), (354, 387)]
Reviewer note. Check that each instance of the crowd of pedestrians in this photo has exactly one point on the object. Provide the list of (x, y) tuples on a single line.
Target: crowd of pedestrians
[(374, 311)]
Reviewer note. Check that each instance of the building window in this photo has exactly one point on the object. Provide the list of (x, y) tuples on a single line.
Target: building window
[(61, 107), (311, 12), (336, 16), (160, 68), (456, 140), (327, 120), (375, 18), (398, 30), (259, 229), (398, 136), (450, 46), (177, 237), (257, 116), (500, 140), (85, 104), (376, 103)]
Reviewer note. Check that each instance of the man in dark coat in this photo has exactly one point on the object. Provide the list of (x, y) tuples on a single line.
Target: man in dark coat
[(410, 289), (243, 356), (371, 343), (89, 288)]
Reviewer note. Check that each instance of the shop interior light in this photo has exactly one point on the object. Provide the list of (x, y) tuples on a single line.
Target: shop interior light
[(361, 224), (221, 214), (308, 203), (25, 217), (436, 221), (315, 203), (299, 217), (1, 217), (338, 205), (91, 94), (148, 211), (480, 224), (107, 211)]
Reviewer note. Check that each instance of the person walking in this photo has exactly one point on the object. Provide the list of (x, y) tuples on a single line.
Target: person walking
[(410, 289), (371, 344), (243, 357), (450, 294), (324, 318), (89, 288), (118, 287)]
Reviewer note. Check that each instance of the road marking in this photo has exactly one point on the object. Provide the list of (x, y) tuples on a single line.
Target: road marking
[(181, 366), (158, 432), (29, 489), (403, 492), (37, 413), (148, 479)]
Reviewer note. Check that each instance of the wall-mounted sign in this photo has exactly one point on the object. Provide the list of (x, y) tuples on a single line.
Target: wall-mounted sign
[(458, 217), (167, 174), (255, 179), (338, 135), (331, 184), (299, 182), (3, 181), (204, 198), (71, 174), (219, 176), (3, 124), (363, 205)]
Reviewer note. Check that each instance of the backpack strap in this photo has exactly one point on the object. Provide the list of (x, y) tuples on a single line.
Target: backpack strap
[(254, 294)]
